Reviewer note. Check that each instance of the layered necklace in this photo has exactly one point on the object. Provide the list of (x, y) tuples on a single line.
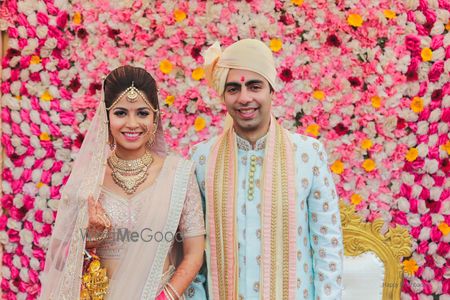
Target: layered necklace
[(129, 174)]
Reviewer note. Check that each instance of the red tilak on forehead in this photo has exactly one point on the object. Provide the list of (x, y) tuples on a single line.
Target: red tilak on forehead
[(242, 78)]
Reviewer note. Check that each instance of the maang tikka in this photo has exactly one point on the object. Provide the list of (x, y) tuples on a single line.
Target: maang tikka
[(131, 94)]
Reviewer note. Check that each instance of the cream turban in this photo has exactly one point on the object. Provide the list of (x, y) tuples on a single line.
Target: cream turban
[(247, 54)]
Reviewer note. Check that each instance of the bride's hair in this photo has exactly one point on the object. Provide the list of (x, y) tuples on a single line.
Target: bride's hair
[(122, 77)]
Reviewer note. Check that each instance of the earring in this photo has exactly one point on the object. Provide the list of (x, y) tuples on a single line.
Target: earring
[(151, 140), (112, 143)]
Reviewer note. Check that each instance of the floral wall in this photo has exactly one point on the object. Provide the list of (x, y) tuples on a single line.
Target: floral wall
[(369, 78)]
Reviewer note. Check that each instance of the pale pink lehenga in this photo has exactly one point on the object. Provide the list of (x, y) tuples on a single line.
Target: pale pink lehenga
[(149, 210)]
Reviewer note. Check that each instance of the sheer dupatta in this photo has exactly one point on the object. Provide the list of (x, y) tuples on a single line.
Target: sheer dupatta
[(61, 278)]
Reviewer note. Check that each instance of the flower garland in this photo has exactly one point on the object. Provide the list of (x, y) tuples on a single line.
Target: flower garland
[(367, 78)]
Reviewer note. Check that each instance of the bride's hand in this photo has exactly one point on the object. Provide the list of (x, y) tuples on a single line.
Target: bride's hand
[(99, 222)]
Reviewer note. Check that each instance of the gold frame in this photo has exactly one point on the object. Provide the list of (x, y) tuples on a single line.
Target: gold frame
[(391, 247)]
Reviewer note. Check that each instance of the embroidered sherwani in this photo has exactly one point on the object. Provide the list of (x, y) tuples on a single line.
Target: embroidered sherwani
[(318, 236)]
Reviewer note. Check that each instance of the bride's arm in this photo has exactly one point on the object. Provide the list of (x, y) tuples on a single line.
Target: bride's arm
[(192, 229), (193, 249)]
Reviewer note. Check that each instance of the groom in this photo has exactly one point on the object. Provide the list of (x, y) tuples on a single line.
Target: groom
[(272, 216)]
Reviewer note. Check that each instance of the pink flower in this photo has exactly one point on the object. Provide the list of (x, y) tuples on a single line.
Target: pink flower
[(436, 70)]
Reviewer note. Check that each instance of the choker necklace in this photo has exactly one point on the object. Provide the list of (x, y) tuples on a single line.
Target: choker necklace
[(129, 174)]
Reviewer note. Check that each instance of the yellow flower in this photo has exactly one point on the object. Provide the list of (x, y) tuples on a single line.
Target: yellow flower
[(417, 105), (165, 66), (447, 26), (337, 167), (297, 2), (426, 54), (46, 96), (376, 101), (179, 15), (35, 59), (319, 95), (313, 129), (198, 74), (444, 228), (389, 14), (412, 154), (44, 136), (369, 165), (356, 199), (199, 124), (170, 100), (366, 144), (40, 184), (18, 97), (355, 20), (410, 266), (446, 147), (276, 45), (77, 18)]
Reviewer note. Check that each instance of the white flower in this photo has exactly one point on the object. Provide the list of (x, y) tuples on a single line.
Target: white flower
[(416, 285), (424, 233), (23, 274), (17, 172), (41, 31), (31, 46), (57, 179), (36, 175), (446, 99), (18, 201), (435, 193), (45, 52), (14, 61), (439, 260), (13, 224), (51, 43), (422, 208), (6, 186), (413, 220), (11, 102), (53, 204), (442, 128), (439, 54), (35, 264), (26, 237), (427, 181), (30, 189), (403, 204), (47, 216), (432, 140), (6, 271), (423, 150)]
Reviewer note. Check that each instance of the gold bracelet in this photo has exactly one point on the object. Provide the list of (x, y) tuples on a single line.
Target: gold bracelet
[(98, 238)]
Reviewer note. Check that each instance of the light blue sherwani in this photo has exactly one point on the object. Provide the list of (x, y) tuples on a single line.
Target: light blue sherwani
[(319, 234)]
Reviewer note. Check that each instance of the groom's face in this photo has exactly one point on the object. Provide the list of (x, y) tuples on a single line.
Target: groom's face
[(248, 98)]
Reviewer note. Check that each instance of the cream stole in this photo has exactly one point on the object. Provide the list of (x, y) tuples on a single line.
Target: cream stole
[(278, 219)]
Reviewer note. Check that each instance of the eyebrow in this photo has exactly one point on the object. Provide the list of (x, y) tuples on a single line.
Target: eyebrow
[(138, 109), (238, 84)]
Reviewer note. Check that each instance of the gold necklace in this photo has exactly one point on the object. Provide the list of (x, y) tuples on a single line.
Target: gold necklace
[(129, 174)]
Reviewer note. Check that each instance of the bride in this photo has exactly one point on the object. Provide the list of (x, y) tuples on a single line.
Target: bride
[(128, 203)]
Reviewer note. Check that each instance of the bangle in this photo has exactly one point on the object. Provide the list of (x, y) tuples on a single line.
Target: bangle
[(98, 238), (167, 293), (173, 290)]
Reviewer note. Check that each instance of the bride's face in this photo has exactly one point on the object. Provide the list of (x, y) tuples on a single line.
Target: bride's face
[(131, 125)]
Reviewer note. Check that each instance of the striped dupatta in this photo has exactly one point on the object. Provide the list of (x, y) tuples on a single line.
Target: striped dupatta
[(278, 218)]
